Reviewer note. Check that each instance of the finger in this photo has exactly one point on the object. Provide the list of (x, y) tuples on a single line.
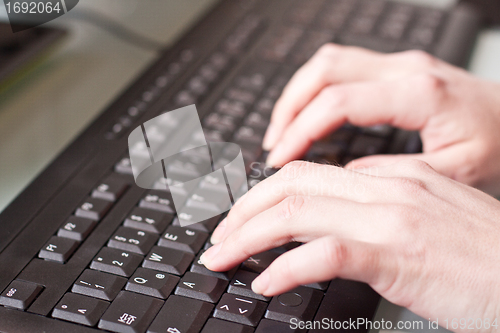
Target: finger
[(448, 162), (299, 219), (334, 64), (324, 259), (406, 103), (299, 178)]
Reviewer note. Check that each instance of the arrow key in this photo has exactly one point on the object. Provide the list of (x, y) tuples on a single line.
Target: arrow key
[(239, 309), (80, 309)]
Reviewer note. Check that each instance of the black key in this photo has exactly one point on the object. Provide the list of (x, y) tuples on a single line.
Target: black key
[(345, 300), (241, 95), (152, 283), (98, 284), (383, 131), (132, 240), (183, 239), (319, 285), (249, 134), (202, 287), (110, 189), (187, 214), (93, 209), (271, 326), (217, 326), (158, 200), (168, 260), (198, 267), (231, 108), (76, 228), (367, 145), (241, 284), (148, 220), (58, 249), (124, 166), (80, 309), (257, 120), (259, 262), (240, 309), (130, 312), (181, 314), (209, 200), (115, 261), (322, 152), (20, 294), (299, 304)]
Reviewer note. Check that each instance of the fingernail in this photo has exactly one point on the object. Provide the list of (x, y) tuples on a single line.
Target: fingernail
[(261, 283), (218, 233), (208, 256), (269, 138), (275, 155)]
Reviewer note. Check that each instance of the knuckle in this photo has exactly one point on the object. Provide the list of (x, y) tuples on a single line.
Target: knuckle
[(430, 84), (409, 187), (421, 58), (291, 207), (415, 167), (336, 96), (335, 253), (294, 170), (328, 50)]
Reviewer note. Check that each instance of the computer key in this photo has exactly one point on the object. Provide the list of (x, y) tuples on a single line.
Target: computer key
[(364, 145), (20, 294), (98, 284), (58, 249), (116, 261), (181, 314), (239, 309), (241, 284), (148, 220), (110, 189), (183, 239), (80, 309), (319, 285), (271, 326), (187, 215), (158, 200), (202, 287), (168, 260), (198, 267), (124, 166), (133, 240), (93, 208), (152, 283), (259, 262), (77, 228), (206, 199), (299, 304), (130, 312), (217, 326)]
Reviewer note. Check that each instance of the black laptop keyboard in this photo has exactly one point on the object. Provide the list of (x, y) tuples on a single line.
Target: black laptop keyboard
[(147, 277)]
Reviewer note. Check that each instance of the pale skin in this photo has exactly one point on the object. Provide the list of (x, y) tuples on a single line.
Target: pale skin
[(409, 226)]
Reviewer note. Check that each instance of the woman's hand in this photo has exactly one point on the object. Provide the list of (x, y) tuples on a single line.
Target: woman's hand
[(421, 240), (458, 115)]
